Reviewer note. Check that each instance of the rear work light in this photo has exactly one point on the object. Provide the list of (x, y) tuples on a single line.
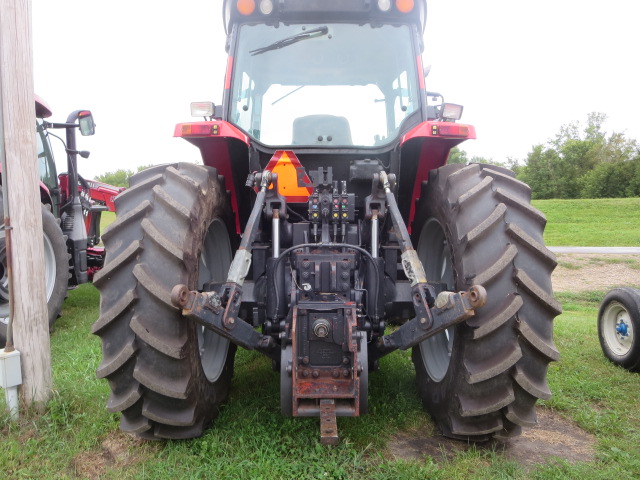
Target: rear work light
[(202, 109), (451, 112)]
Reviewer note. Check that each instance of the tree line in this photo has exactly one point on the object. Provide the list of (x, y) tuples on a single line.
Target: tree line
[(120, 178), (580, 162)]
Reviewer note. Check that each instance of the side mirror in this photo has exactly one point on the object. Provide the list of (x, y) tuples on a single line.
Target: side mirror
[(85, 120)]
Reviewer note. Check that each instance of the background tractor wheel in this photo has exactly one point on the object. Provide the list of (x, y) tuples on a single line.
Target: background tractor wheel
[(481, 379), (168, 376), (618, 327), (56, 271)]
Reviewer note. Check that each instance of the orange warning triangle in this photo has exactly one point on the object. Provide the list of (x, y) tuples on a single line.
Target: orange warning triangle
[(286, 165)]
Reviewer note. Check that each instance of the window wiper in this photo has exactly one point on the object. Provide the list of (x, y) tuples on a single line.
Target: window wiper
[(285, 42)]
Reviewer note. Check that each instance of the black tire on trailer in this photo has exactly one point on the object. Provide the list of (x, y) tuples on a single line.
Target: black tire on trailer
[(168, 376), (481, 379), (619, 326), (56, 270)]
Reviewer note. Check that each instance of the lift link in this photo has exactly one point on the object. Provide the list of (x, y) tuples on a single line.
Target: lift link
[(449, 308), (242, 258), (218, 310), (410, 262)]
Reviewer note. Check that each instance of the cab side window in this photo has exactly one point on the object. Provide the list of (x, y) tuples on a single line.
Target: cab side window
[(46, 166)]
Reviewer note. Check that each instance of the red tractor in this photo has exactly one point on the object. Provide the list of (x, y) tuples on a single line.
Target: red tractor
[(323, 213), (70, 216)]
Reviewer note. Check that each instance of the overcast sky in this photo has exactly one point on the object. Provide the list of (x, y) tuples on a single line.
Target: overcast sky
[(521, 70)]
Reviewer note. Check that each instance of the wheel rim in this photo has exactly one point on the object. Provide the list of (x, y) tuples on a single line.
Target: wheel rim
[(363, 360), (617, 328), (50, 274), (286, 381), (49, 267), (435, 254), (214, 265)]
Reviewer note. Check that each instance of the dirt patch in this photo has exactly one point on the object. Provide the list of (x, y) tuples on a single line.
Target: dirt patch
[(553, 437), (117, 450), (588, 272)]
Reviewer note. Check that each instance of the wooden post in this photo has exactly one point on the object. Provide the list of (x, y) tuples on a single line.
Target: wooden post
[(30, 321)]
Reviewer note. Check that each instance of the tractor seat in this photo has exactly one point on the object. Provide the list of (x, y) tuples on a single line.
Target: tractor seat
[(328, 130)]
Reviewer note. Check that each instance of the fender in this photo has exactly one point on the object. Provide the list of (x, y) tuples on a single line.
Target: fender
[(431, 141), (220, 144)]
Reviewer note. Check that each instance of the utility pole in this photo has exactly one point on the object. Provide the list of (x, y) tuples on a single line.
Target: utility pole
[(17, 122)]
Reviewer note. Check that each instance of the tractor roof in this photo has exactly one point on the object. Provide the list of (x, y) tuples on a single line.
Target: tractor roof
[(316, 11)]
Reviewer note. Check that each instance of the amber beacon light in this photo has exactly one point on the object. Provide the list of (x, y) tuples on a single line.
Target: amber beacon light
[(247, 7), (404, 6)]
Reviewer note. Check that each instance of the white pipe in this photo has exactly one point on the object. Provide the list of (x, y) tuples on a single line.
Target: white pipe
[(11, 397)]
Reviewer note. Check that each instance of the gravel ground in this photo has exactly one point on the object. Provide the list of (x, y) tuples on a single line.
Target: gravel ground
[(588, 272)]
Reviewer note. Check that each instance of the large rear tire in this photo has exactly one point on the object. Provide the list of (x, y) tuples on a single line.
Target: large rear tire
[(619, 326), (56, 271), (168, 376), (474, 225)]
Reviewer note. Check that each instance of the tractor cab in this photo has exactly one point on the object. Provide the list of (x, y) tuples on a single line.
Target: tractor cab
[(333, 84), (322, 74)]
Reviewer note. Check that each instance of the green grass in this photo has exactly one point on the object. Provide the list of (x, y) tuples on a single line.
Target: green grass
[(106, 218), (251, 440), (606, 222)]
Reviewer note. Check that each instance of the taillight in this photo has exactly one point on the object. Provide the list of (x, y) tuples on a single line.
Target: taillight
[(199, 129), (451, 130)]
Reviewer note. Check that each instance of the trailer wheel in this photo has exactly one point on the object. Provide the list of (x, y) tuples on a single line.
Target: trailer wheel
[(168, 376), (56, 271), (618, 327), (481, 379)]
